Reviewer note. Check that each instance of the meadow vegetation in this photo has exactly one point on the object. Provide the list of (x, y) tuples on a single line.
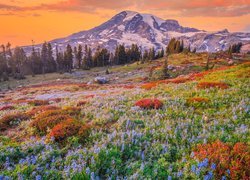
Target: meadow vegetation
[(190, 126)]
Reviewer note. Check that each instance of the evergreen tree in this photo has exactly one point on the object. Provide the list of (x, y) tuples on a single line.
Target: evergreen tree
[(165, 68), (60, 61), (151, 55), (181, 46), (177, 47), (3, 64), (120, 55), (36, 62), (145, 56), (44, 57), (101, 57), (51, 61), (162, 53), (68, 58), (79, 56), (19, 58)]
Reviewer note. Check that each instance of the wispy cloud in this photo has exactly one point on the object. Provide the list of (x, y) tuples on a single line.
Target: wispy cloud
[(222, 8)]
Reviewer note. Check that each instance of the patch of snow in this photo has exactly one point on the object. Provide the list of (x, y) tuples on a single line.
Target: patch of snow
[(130, 15), (105, 32), (147, 18), (222, 42), (177, 34), (219, 34), (121, 27), (104, 40), (130, 38), (245, 39), (159, 20)]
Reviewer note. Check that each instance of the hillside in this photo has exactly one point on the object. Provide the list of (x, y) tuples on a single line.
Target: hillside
[(194, 125)]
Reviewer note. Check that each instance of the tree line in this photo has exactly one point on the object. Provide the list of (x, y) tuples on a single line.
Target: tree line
[(16, 63)]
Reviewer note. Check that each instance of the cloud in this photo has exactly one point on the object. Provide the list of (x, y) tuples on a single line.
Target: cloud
[(73, 5), (247, 28), (6, 7), (217, 11), (211, 8), (218, 8)]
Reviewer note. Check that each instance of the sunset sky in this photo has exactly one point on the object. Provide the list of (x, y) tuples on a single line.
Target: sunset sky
[(25, 20)]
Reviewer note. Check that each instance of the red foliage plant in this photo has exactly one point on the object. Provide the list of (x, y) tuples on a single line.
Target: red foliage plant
[(90, 96), (197, 100), (40, 109), (149, 86), (205, 85), (53, 116), (179, 80), (235, 158), (72, 111), (43, 123), (84, 132), (65, 129), (128, 86), (7, 107), (38, 102), (11, 120), (149, 103), (81, 103)]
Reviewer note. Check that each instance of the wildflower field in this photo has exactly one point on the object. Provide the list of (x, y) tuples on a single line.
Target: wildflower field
[(190, 127)]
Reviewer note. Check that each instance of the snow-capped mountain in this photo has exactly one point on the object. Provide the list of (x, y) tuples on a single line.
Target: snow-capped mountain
[(147, 30)]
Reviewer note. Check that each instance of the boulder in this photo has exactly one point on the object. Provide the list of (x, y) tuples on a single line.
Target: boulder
[(101, 80), (230, 62), (171, 67)]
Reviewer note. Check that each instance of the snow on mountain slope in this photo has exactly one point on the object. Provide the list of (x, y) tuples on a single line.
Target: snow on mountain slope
[(148, 31)]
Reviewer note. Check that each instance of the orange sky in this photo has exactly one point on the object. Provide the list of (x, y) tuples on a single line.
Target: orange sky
[(25, 20)]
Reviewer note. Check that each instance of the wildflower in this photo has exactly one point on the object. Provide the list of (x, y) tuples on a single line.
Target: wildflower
[(213, 166), (142, 155), (87, 170), (223, 178), (193, 168), (179, 174), (38, 177), (92, 176), (169, 177)]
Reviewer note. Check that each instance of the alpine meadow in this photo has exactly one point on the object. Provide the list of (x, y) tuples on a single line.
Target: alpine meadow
[(96, 90)]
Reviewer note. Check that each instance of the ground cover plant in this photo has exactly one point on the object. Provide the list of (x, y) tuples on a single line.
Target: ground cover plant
[(194, 126)]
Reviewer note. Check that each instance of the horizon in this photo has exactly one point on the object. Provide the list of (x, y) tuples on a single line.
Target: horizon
[(42, 20)]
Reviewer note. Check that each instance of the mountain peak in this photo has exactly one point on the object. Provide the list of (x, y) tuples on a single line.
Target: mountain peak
[(147, 30), (172, 21)]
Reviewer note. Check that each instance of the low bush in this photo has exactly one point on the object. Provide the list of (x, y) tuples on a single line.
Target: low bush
[(230, 160), (149, 104), (7, 107), (45, 123), (197, 101), (40, 109), (65, 129), (84, 132), (11, 120), (205, 85), (72, 111), (179, 80), (149, 86), (81, 103), (38, 102)]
